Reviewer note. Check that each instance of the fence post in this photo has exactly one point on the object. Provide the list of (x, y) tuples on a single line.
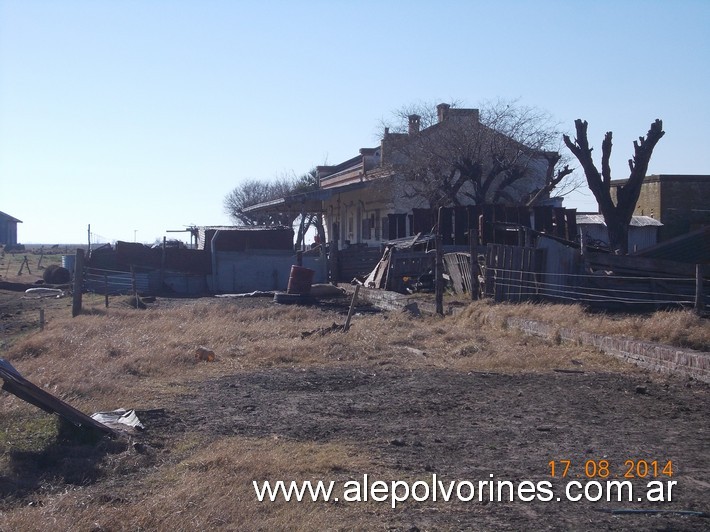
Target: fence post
[(41, 319), (106, 289), (439, 282), (133, 285), (351, 309), (77, 286), (473, 265), (699, 305)]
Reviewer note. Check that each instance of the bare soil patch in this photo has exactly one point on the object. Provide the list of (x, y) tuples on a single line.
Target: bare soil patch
[(470, 425)]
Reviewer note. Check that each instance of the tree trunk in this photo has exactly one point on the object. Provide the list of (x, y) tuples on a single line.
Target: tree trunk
[(618, 236)]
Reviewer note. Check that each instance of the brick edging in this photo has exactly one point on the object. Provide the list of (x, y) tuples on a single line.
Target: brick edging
[(656, 357)]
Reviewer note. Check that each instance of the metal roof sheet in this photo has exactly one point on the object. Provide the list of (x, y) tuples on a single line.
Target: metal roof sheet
[(598, 219)]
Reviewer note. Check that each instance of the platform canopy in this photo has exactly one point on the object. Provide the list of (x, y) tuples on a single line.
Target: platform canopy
[(311, 201)]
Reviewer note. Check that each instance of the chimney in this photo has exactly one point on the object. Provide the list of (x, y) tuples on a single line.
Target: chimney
[(414, 124), (442, 110)]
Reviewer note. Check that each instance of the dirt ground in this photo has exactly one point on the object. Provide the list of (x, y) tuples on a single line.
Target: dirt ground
[(20, 313), (469, 426), (459, 426)]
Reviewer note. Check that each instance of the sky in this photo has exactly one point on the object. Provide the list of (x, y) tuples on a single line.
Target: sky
[(138, 117)]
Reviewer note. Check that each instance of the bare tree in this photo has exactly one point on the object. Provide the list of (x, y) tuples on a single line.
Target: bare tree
[(502, 153), (253, 192), (305, 183), (616, 216)]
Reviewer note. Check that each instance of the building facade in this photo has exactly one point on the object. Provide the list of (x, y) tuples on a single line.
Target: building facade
[(680, 202), (371, 198), (8, 229)]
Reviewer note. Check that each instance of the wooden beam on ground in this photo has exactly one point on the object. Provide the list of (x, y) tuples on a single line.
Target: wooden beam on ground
[(17, 385)]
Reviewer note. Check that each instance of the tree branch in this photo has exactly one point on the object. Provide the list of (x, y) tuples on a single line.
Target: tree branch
[(606, 155)]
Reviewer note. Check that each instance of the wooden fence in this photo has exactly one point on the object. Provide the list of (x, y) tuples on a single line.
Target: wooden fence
[(407, 264), (512, 273), (356, 261), (458, 266), (597, 280)]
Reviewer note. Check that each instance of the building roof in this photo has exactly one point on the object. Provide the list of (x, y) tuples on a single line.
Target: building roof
[(9, 218), (657, 178), (244, 228), (303, 201), (636, 221)]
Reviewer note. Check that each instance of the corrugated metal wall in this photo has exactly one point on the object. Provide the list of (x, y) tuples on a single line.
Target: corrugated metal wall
[(260, 270)]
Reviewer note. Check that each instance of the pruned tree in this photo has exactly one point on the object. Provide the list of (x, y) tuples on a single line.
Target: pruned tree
[(501, 153), (617, 216)]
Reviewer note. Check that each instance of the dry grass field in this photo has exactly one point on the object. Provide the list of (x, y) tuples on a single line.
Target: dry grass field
[(396, 398)]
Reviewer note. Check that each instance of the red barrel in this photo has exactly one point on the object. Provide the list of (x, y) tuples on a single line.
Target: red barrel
[(300, 280)]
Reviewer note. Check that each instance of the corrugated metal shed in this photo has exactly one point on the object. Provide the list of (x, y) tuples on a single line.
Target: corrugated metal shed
[(636, 221), (643, 230)]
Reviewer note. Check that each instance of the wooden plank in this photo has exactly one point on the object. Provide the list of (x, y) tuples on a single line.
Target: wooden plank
[(560, 222), (513, 266), (422, 221), (488, 228), (504, 273), (524, 216), (460, 226), (571, 215), (447, 225), (458, 265), (464, 260), (523, 273), (474, 214), (488, 288)]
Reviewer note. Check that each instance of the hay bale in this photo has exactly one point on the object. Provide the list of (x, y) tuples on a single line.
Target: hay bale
[(55, 274)]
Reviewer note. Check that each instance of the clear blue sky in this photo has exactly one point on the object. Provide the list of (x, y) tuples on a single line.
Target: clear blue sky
[(140, 116)]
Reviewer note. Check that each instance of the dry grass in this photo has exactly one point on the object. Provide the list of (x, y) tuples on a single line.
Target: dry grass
[(107, 359), (682, 328), (11, 262), (127, 358), (211, 489), (140, 359)]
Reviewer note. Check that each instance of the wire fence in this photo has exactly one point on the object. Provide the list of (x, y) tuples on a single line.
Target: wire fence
[(114, 282), (517, 285)]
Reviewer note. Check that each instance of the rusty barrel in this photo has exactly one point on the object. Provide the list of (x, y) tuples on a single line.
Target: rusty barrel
[(300, 280)]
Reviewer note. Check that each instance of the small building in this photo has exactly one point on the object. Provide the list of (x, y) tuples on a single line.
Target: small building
[(643, 231), (8, 229), (680, 202)]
